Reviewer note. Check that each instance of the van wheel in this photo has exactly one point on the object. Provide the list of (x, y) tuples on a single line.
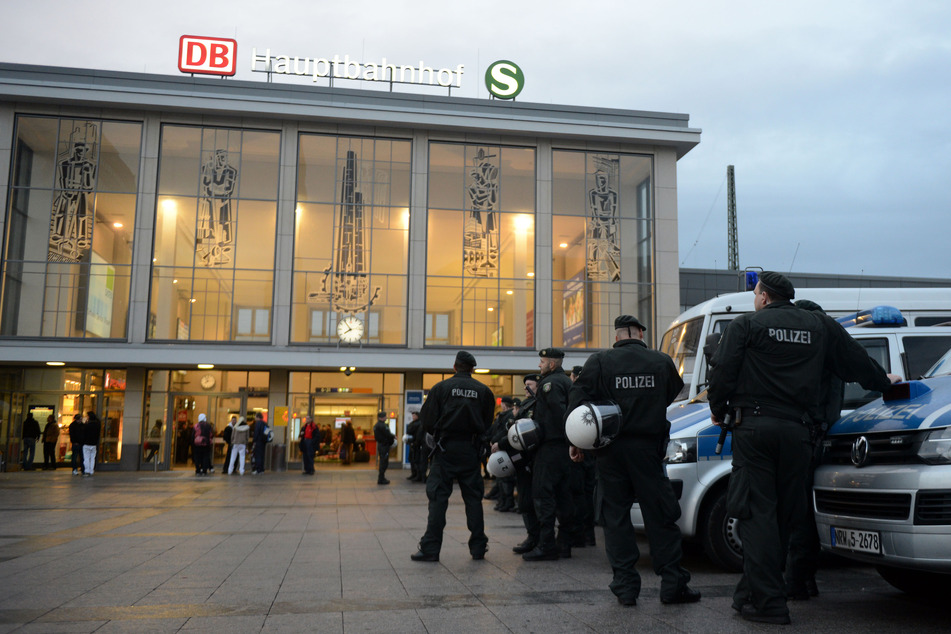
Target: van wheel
[(720, 536), (919, 583)]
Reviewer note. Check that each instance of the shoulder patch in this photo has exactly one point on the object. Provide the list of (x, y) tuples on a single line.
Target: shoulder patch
[(546, 387)]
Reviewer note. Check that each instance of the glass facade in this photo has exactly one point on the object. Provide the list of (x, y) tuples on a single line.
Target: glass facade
[(71, 213), (480, 247), (351, 233), (215, 228), (279, 247), (602, 226)]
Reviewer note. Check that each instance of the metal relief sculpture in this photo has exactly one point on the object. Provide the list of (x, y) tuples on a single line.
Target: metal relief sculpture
[(346, 282), (480, 241), (215, 240), (603, 246), (72, 216)]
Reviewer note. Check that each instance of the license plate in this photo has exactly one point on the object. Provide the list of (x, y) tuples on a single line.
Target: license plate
[(861, 541)]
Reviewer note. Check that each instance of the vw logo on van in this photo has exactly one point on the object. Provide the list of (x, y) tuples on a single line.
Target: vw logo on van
[(860, 451)]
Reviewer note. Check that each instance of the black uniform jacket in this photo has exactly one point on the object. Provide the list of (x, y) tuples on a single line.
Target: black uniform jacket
[(458, 408), (551, 399), (774, 358), (643, 382)]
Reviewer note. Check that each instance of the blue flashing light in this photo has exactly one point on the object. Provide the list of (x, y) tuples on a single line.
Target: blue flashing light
[(877, 316), (752, 277)]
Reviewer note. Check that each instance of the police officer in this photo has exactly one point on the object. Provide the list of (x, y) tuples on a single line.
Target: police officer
[(525, 502), (457, 413), (804, 548), (584, 485), (412, 433), (643, 383), (498, 431), (551, 476), (767, 371)]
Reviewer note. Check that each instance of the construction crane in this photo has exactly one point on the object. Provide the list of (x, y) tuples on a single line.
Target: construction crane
[(733, 248)]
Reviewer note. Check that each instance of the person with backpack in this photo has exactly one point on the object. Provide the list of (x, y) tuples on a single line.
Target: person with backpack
[(201, 451)]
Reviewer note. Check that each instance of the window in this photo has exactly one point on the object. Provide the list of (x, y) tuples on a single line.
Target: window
[(351, 238), (602, 245), (480, 246), (70, 218), (215, 228)]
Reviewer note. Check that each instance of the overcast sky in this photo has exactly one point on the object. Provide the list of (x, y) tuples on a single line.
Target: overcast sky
[(834, 113)]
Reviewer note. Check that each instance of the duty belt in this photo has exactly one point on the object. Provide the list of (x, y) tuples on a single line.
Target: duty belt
[(773, 412)]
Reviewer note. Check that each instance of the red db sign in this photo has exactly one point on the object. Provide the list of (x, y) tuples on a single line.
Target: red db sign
[(207, 55)]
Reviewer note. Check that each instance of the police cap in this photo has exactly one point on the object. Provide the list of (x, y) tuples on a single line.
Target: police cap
[(777, 284), (508, 400), (381, 414), (531, 377), (576, 370), (465, 358), (551, 353), (628, 321)]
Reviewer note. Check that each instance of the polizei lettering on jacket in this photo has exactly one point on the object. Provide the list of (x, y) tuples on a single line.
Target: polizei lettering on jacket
[(634, 382), (464, 393), (788, 335)]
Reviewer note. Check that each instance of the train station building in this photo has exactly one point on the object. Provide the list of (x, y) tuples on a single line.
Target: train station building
[(176, 245)]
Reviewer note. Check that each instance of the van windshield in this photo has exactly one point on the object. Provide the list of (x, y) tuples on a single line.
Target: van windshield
[(682, 344), (942, 367)]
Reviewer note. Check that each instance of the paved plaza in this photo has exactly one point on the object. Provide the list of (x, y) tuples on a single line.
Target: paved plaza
[(282, 552)]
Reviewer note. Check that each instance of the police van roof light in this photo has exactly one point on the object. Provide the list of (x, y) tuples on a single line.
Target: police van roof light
[(877, 316), (751, 277)]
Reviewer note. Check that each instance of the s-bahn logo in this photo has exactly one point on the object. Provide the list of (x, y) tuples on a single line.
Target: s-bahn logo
[(207, 55), (504, 79)]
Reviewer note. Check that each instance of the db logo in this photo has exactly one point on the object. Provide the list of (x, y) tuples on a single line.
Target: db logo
[(207, 55)]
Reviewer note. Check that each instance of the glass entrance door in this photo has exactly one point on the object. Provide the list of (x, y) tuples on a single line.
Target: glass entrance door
[(218, 408)]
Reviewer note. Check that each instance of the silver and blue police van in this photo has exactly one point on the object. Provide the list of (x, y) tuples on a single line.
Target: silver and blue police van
[(700, 476), (883, 492)]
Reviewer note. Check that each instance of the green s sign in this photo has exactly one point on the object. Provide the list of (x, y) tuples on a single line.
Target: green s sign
[(504, 79)]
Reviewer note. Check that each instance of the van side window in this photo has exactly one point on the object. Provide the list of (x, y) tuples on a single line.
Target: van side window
[(933, 320), (855, 395)]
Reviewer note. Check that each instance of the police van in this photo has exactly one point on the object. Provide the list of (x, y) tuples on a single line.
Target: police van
[(882, 494), (700, 476), (686, 335)]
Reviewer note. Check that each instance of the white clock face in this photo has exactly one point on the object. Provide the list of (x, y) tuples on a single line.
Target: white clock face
[(208, 381), (350, 329)]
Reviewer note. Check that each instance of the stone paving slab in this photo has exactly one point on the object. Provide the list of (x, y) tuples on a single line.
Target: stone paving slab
[(169, 552)]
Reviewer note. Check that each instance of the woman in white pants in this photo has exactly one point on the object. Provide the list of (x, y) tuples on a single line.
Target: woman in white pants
[(239, 444)]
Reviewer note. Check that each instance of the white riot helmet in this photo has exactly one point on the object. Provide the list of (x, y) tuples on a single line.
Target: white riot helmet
[(523, 435), (500, 465), (593, 425)]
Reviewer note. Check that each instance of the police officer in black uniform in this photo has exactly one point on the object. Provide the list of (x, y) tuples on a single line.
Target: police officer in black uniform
[(643, 383), (767, 372), (804, 547), (497, 432), (457, 412), (552, 467), (584, 484), (525, 501)]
